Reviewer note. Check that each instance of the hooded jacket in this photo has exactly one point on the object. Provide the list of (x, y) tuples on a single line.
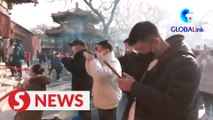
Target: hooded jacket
[(17, 54), (106, 93), (36, 83), (169, 90)]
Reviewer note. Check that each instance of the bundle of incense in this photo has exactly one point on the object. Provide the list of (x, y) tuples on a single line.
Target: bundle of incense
[(111, 68)]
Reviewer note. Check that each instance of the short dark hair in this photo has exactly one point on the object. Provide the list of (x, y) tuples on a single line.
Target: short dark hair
[(126, 40), (37, 68), (141, 31), (106, 44), (77, 42)]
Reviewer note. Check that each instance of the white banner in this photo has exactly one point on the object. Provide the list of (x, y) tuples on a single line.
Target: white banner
[(50, 100)]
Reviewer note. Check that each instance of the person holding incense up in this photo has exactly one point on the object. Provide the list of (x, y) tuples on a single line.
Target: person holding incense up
[(106, 92)]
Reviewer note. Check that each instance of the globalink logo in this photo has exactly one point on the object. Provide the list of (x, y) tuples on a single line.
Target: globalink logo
[(187, 17)]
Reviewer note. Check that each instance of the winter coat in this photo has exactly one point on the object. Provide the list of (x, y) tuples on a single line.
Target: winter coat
[(127, 62), (169, 90), (206, 83), (106, 93), (17, 54), (28, 56), (135, 67), (76, 65), (37, 83), (56, 63), (10, 51), (42, 56)]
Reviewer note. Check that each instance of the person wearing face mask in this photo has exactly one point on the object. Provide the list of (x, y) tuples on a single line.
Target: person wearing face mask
[(168, 89), (134, 64), (205, 59), (106, 93), (127, 60), (81, 81)]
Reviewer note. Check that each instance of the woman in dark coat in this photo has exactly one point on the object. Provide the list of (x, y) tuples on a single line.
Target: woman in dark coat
[(37, 82)]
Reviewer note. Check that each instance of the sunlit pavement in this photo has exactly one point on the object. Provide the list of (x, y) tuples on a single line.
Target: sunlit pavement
[(65, 85)]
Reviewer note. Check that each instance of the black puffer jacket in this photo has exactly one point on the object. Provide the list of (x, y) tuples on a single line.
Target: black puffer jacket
[(169, 90), (80, 78)]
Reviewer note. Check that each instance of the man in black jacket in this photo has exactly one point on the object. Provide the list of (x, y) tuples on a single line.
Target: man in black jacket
[(168, 90), (128, 60), (80, 79), (134, 64)]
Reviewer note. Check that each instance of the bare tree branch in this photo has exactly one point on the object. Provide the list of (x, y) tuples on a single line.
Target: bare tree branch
[(100, 15), (95, 11), (113, 12), (106, 9), (105, 19)]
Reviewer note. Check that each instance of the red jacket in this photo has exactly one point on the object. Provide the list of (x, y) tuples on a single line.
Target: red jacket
[(28, 56)]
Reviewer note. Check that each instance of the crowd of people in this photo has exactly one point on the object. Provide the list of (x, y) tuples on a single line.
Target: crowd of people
[(162, 79), (14, 55)]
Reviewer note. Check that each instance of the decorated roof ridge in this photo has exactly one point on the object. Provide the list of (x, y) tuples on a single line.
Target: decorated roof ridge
[(55, 30), (88, 29), (76, 10), (74, 13), (22, 1)]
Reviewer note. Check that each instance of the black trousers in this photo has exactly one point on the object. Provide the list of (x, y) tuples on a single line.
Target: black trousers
[(58, 72), (17, 65), (42, 60), (50, 70), (85, 115), (208, 102), (109, 114), (10, 64), (28, 63)]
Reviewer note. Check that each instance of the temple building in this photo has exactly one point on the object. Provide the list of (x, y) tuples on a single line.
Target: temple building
[(74, 24), (11, 30), (5, 22)]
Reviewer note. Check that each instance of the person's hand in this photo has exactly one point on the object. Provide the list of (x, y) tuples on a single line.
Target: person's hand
[(119, 52), (125, 83), (89, 57)]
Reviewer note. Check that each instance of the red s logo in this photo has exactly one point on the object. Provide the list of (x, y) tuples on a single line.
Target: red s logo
[(19, 100)]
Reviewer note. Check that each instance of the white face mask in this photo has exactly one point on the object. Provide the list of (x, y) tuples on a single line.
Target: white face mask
[(73, 49), (100, 55)]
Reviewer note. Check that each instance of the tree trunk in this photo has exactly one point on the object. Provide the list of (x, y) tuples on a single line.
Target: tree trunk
[(106, 32)]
